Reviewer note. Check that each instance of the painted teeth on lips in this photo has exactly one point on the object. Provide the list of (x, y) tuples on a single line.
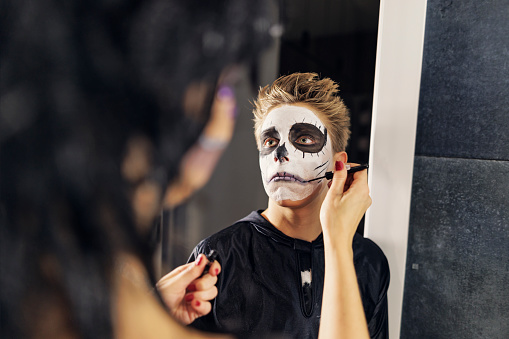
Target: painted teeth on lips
[(286, 177)]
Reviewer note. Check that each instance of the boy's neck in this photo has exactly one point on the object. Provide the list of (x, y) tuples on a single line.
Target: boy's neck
[(300, 222)]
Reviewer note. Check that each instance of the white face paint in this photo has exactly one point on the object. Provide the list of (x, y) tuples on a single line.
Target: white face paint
[(295, 148)]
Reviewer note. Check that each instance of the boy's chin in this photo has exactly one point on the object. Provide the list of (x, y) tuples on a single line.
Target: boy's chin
[(285, 200)]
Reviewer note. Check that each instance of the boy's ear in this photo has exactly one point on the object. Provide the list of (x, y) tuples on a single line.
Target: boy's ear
[(341, 156)]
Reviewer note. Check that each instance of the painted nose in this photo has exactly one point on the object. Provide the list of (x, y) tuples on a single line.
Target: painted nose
[(281, 154)]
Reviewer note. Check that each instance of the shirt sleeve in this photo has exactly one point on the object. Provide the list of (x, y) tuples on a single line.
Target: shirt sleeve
[(379, 324), (202, 247), (207, 322)]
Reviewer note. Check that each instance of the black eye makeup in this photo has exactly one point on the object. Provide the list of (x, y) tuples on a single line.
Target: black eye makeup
[(269, 141), (307, 138)]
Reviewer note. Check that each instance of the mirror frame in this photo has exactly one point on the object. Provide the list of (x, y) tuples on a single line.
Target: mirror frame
[(395, 106)]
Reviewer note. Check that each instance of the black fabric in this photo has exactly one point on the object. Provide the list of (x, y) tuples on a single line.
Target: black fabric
[(260, 291)]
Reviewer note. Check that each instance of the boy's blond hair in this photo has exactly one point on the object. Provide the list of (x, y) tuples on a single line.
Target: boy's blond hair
[(321, 96)]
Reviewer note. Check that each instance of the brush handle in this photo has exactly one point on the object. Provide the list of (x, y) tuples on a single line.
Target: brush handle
[(330, 175), (358, 168)]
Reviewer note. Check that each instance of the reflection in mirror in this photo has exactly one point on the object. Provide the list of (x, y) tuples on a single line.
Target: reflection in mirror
[(336, 39)]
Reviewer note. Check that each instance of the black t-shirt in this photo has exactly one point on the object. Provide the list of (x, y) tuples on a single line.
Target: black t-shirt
[(272, 285)]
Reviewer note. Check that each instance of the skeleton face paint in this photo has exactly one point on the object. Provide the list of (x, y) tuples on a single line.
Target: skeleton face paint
[(294, 148)]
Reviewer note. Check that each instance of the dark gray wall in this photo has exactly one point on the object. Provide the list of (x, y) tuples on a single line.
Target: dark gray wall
[(457, 274)]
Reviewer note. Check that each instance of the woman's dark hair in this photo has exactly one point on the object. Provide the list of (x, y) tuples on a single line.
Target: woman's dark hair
[(78, 80)]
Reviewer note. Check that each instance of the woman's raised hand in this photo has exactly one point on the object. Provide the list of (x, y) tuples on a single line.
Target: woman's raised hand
[(186, 293), (344, 205)]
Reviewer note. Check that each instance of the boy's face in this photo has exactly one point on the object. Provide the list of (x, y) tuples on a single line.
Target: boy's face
[(295, 148)]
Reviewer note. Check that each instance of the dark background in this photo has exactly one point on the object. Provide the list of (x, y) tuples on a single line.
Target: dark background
[(336, 39)]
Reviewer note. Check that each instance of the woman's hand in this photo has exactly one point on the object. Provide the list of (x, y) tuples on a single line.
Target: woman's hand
[(344, 205), (186, 294), (200, 160)]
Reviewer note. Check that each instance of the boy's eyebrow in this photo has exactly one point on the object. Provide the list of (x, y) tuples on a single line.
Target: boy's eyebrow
[(270, 132)]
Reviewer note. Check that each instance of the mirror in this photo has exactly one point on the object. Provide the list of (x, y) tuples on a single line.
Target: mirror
[(336, 39)]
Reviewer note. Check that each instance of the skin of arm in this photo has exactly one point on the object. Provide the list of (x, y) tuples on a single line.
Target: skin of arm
[(199, 162), (345, 204)]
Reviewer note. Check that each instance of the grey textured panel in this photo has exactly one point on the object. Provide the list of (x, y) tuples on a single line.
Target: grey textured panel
[(464, 98), (457, 274)]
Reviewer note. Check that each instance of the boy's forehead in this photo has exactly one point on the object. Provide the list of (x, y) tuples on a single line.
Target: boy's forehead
[(288, 115)]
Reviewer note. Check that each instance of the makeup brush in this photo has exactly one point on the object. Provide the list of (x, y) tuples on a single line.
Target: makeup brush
[(329, 175)]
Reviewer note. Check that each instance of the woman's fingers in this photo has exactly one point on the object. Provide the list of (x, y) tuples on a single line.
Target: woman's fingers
[(199, 301), (345, 204), (174, 273), (202, 295), (358, 179), (201, 307), (359, 188), (181, 277), (339, 179), (203, 283), (349, 177), (215, 268), (202, 291)]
